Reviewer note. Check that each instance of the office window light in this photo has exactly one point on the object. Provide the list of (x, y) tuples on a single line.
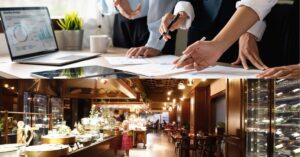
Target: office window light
[(57, 8)]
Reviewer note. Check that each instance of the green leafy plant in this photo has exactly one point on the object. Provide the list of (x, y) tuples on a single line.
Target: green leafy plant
[(71, 21), (220, 125), (1, 125), (94, 113)]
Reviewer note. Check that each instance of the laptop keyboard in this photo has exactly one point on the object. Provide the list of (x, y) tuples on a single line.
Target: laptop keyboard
[(71, 57)]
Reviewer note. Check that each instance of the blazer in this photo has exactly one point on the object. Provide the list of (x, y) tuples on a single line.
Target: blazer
[(208, 11)]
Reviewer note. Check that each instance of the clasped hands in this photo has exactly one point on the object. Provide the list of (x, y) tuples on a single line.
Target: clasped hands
[(125, 9)]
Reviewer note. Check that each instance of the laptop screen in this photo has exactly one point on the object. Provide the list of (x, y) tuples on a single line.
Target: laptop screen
[(28, 31)]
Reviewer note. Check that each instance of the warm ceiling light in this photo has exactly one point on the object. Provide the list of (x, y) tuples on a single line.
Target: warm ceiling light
[(190, 82), (164, 108), (168, 98), (169, 92), (204, 79), (6, 85), (174, 100), (170, 109), (12, 88), (165, 104), (182, 98), (174, 105), (181, 86)]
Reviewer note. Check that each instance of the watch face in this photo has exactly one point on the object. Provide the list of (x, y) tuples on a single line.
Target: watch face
[(83, 72)]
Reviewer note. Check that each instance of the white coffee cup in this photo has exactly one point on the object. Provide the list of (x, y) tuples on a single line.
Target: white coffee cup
[(99, 43)]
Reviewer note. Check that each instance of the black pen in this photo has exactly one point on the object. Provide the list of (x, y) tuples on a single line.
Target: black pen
[(170, 25)]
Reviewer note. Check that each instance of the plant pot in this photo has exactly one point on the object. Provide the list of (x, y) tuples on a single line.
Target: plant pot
[(220, 131), (72, 39)]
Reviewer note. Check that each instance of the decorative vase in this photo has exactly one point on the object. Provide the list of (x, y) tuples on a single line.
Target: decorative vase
[(72, 39)]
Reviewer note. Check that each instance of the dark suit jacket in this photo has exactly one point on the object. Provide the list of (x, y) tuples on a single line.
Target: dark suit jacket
[(208, 11), (210, 17)]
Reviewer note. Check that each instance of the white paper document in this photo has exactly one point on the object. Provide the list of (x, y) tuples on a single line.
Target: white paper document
[(220, 72), (165, 59), (153, 70)]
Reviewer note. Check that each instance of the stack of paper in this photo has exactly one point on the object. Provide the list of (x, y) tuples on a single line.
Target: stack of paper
[(166, 59), (221, 72), (153, 70), (162, 65)]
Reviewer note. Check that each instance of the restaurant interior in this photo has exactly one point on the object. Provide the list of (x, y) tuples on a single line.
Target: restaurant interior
[(149, 117)]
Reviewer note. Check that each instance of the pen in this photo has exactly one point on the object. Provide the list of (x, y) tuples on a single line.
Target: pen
[(170, 25), (184, 57)]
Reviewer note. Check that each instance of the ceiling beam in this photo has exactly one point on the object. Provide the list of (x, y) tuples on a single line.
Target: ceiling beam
[(124, 88)]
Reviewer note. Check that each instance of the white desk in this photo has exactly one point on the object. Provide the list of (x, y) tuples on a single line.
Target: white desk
[(9, 69)]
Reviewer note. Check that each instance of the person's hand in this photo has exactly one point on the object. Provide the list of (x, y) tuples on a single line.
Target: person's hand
[(125, 10), (142, 52), (166, 20), (248, 50), (290, 71), (203, 54)]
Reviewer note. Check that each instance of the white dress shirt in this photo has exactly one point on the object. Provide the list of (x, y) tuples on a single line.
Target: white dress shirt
[(261, 7), (153, 9)]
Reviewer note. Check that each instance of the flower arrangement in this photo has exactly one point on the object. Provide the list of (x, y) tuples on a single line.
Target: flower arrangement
[(94, 113), (64, 130)]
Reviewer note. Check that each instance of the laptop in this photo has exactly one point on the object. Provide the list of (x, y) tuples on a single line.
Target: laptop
[(31, 39)]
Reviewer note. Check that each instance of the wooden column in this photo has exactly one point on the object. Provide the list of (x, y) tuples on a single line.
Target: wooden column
[(200, 110), (235, 142), (185, 113), (172, 115), (5, 127)]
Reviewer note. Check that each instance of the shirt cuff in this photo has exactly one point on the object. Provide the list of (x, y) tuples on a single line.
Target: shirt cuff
[(258, 30), (154, 42), (261, 7), (188, 9)]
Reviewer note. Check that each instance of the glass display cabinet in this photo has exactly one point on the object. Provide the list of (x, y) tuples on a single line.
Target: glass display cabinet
[(57, 111), (287, 118), (37, 107), (272, 118), (257, 117)]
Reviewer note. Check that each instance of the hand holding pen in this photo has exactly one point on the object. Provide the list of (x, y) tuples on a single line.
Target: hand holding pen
[(201, 54), (171, 22), (185, 56)]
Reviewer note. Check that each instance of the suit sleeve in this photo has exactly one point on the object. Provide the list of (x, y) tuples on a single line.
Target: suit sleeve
[(157, 9)]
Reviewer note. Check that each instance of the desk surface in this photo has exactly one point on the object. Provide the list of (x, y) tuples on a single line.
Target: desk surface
[(9, 69)]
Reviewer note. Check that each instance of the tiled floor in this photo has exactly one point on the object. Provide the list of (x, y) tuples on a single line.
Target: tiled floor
[(157, 146)]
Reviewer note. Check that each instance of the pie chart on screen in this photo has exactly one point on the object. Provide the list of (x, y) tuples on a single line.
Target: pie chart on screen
[(20, 34)]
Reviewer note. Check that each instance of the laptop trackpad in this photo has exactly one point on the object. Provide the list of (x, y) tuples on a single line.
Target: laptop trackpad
[(71, 57)]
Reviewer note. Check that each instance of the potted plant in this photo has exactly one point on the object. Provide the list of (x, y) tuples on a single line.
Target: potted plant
[(1, 128), (220, 128), (72, 32)]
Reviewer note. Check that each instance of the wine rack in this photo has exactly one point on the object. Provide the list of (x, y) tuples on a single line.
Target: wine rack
[(287, 118), (257, 117), (272, 118)]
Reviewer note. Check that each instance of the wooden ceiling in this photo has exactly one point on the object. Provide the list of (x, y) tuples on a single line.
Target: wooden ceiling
[(125, 89), (156, 89)]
